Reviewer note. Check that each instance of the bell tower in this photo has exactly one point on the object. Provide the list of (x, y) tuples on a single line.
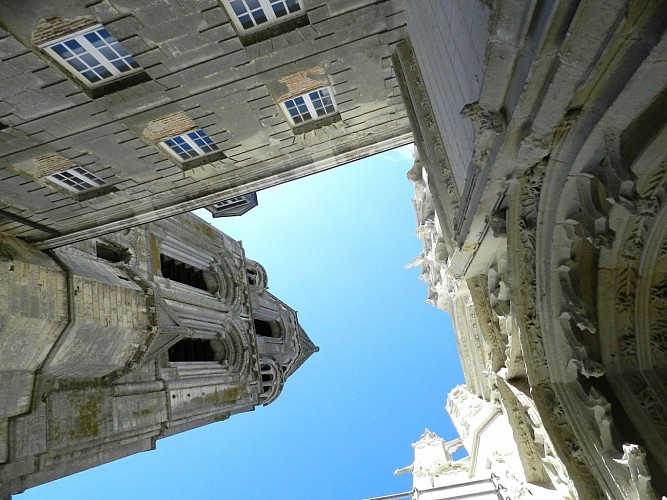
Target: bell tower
[(148, 333)]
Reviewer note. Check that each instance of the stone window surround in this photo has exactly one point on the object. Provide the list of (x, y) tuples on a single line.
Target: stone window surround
[(102, 60), (178, 125), (76, 179), (266, 7), (194, 142), (312, 107), (64, 175)]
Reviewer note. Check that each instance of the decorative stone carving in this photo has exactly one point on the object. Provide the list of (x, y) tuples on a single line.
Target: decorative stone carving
[(635, 459), (412, 84), (523, 213), (488, 123)]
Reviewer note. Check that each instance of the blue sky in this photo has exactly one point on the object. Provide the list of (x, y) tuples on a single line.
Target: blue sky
[(335, 246)]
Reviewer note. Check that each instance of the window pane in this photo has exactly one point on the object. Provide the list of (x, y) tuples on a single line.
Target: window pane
[(119, 49), (279, 9), (74, 46), (293, 6), (77, 64), (91, 76), (89, 60), (238, 6), (62, 51), (94, 39), (103, 72), (121, 66), (108, 53), (259, 16), (246, 22), (106, 35)]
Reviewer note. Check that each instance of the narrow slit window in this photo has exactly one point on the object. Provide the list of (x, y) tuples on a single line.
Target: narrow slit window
[(93, 55), (76, 179), (250, 15), (191, 145), (310, 106)]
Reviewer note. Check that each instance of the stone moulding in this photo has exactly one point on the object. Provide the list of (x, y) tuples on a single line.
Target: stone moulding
[(427, 136)]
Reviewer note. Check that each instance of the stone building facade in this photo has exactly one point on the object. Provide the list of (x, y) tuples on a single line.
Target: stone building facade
[(540, 181), (540, 131), (490, 470), (110, 344), (198, 113)]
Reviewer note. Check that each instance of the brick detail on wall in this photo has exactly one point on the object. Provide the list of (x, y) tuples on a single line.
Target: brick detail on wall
[(168, 126), (52, 163), (55, 27), (302, 82)]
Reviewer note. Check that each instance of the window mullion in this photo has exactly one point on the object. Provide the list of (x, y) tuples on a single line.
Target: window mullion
[(193, 144), (287, 113), (268, 10), (330, 94), (310, 106), (92, 50)]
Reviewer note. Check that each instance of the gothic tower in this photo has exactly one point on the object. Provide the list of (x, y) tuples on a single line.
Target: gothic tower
[(115, 342)]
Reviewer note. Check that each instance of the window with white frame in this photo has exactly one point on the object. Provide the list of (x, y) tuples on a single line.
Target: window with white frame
[(191, 145), (93, 55), (76, 179), (249, 15), (310, 106)]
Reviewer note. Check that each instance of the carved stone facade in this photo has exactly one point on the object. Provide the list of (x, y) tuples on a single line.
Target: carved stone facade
[(135, 336), (541, 178), (493, 467), (552, 260), (193, 73)]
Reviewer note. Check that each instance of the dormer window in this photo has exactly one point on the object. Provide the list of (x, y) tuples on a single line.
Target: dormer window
[(76, 179), (231, 202), (231, 207), (310, 106), (251, 15), (93, 56), (189, 146)]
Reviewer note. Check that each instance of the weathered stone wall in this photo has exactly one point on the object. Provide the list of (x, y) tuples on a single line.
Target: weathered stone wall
[(109, 319), (196, 66), (87, 376), (560, 234), (449, 40), (33, 312)]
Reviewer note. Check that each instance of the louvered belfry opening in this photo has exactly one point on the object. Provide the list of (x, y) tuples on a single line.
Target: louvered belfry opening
[(192, 350), (181, 272)]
